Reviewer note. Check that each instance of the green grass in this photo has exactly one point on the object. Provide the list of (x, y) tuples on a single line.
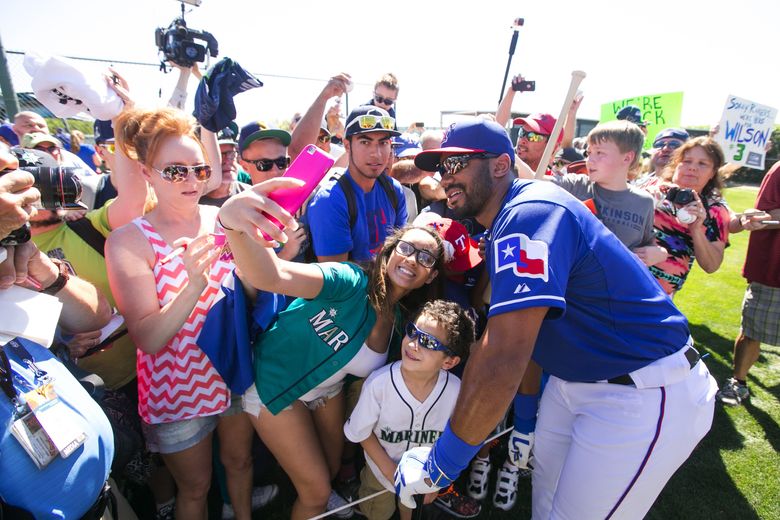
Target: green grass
[(735, 472)]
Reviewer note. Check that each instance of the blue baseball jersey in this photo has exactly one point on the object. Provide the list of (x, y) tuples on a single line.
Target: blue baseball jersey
[(608, 316), (328, 219)]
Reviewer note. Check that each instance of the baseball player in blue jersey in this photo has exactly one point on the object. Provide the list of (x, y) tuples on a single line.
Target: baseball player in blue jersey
[(628, 398)]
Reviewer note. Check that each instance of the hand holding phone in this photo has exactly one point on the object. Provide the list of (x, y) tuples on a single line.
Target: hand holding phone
[(310, 166)]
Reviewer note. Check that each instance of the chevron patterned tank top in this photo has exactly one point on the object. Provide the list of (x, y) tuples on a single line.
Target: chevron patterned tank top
[(179, 382)]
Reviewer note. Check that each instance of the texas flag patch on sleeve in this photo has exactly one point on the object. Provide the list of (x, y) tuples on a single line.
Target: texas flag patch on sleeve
[(525, 257)]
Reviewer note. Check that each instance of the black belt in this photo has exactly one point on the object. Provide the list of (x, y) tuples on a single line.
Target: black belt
[(691, 354)]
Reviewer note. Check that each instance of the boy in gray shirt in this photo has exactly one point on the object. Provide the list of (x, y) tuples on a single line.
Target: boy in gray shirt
[(613, 149)]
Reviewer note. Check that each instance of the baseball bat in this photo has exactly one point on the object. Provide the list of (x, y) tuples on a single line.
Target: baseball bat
[(576, 78)]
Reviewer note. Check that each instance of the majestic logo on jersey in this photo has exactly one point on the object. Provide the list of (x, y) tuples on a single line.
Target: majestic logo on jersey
[(327, 331), (527, 258), (522, 288), (413, 436)]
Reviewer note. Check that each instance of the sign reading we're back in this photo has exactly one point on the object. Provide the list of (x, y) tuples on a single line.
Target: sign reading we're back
[(745, 131), (659, 111)]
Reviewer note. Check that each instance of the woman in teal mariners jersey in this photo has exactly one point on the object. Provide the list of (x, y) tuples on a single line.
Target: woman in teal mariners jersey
[(341, 323)]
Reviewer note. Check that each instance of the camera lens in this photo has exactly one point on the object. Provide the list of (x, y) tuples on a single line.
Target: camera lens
[(59, 186)]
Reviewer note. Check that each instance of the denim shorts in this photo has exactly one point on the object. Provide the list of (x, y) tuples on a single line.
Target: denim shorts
[(177, 436)]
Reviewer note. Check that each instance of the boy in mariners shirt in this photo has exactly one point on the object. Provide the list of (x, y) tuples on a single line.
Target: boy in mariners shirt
[(408, 403)]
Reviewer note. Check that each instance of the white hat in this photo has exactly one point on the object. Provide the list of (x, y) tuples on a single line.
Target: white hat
[(66, 91)]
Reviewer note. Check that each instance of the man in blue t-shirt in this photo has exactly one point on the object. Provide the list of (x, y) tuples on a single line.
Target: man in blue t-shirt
[(628, 398), (378, 208)]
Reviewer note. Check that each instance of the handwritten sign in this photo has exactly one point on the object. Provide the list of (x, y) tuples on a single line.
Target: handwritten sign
[(745, 130), (658, 110)]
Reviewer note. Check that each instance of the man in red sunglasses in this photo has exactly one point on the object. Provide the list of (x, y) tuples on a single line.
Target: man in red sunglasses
[(532, 137)]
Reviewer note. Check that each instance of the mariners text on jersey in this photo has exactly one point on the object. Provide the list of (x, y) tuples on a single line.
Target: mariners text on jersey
[(414, 436), (327, 331)]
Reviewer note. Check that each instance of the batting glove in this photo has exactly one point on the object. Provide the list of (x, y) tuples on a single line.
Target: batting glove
[(411, 477), (520, 447)]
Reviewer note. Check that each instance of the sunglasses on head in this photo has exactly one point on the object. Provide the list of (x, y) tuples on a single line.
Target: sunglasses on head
[(266, 164), (533, 137), (369, 121), (455, 163), (423, 257), (176, 173), (383, 100), (673, 144), (426, 340)]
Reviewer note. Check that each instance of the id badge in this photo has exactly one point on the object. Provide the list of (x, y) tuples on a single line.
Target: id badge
[(59, 422), (34, 440)]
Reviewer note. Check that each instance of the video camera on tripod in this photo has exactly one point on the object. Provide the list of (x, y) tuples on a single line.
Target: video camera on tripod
[(177, 41)]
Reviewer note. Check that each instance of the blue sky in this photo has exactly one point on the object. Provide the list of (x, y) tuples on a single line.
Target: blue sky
[(448, 55)]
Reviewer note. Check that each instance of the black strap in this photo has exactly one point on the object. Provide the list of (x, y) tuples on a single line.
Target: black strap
[(387, 185), (349, 193), (6, 376), (86, 231)]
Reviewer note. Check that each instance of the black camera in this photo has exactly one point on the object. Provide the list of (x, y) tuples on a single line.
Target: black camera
[(59, 186), (680, 196), (177, 43), (524, 86)]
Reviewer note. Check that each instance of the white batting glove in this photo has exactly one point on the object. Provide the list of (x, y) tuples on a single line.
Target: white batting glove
[(520, 446), (411, 478)]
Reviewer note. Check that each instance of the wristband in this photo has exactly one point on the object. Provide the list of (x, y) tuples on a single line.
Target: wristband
[(449, 456), (526, 407), (62, 278)]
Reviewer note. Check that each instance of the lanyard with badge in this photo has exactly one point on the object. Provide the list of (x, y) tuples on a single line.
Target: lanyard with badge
[(42, 423)]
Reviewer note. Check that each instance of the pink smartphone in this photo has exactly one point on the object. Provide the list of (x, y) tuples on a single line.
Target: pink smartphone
[(310, 166)]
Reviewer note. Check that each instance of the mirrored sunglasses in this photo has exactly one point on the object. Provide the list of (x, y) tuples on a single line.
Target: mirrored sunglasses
[(672, 144), (533, 137), (423, 257), (426, 340), (176, 173), (455, 163), (266, 164), (368, 122)]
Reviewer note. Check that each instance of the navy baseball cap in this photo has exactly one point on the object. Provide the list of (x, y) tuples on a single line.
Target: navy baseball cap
[(632, 114), (368, 118), (103, 131), (406, 145), (258, 130), (674, 133), (465, 137)]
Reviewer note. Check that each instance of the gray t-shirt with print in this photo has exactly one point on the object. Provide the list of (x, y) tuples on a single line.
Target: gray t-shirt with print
[(627, 213)]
